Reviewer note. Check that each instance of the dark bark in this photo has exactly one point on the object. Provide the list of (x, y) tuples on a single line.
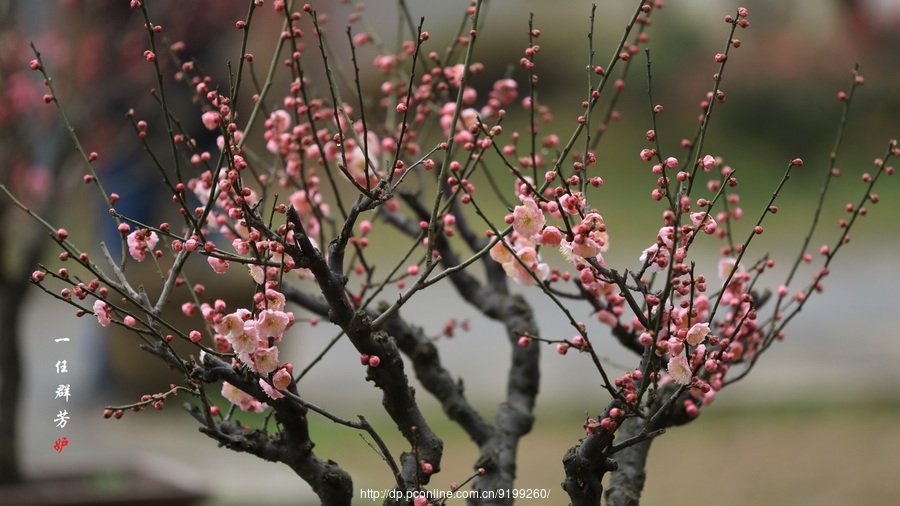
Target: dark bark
[(292, 445), (10, 382), (436, 379), (15, 269), (515, 417), (398, 397), (627, 482), (585, 464), (625, 456)]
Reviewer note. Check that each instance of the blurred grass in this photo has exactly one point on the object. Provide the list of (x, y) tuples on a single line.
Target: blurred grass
[(802, 452)]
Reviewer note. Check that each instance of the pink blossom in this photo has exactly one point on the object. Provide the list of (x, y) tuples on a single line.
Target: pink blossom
[(667, 236), (281, 379), (265, 359), (257, 273), (691, 409), (280, 121), (528, 219), (523, 186), (708, 163), (222, 345), (533, 268), (140, 242), (587, 248), (385, 63), (551, 236), (704, 222), (645, 339), (270, 391), (697, 334), (231, 325), (247, 341), (500, 253), (675, 346), (219, 265), (211, 120), (241, 246), (607, 318), (271, 323), (101, 309), (275, 300), (454, 74), (726, 265), (658, 259), (679, 370), (241, 399), (586, 276), (572, 203), (506, 90), (305, 203)]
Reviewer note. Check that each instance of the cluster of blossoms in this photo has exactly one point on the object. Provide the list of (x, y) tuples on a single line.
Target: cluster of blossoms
[(140, 242), (584, 245), (301, 148), (681, 314), (252, 337)]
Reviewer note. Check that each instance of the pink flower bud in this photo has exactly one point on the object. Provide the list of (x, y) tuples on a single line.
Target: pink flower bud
[(211, 120), (551, 236)]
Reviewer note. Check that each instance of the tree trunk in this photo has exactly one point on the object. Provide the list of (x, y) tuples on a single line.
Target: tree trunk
[(627, 483), (10, 382)]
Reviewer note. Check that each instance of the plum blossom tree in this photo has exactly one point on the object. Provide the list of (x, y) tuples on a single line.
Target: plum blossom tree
[(301, 184)]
